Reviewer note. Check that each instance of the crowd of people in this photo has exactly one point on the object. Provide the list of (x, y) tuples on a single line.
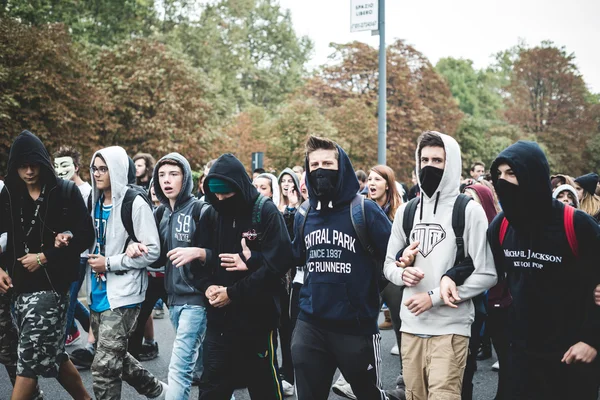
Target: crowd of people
[(302, 262)]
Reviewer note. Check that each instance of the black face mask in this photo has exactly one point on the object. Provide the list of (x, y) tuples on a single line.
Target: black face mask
[(231, 206), (513, 202), (430, 178), (323, 182)]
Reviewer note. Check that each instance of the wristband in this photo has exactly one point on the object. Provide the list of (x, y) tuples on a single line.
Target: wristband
[(430, 293), (107, 264), (37, 257)]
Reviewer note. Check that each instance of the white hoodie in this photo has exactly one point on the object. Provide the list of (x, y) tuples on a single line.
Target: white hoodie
[(127, 282), (437, 253)]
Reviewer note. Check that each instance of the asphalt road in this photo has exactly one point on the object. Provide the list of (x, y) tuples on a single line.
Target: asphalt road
[(485, 380)]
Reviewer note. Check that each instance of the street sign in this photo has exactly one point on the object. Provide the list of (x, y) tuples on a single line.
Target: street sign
[(257, 160), (364, 15)]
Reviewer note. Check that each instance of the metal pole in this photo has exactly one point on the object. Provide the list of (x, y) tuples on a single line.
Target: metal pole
[(381, 107)]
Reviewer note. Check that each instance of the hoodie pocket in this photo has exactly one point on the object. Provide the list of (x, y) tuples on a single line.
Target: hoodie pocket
[(331, 301)]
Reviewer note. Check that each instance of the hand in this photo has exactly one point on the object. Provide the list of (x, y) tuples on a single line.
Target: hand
[(448, 292), (408, 255), (210, 292), (97, 263), (293, 197), (62, 240), (419, 303), (30, 263), (233, 262), (135, 250), (412, 276), (220, 298), (185, 255), (5, 281), (580, 352), (597, 295)]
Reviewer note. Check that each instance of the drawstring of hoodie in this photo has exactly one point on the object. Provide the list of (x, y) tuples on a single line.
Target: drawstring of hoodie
[(330, 205), (437, 199)]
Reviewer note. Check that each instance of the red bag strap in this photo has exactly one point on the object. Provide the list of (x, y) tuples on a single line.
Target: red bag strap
[(569, 214), (503, 229)]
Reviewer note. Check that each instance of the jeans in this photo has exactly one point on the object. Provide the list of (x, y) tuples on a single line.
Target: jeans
[(76, 309), (189, 322)]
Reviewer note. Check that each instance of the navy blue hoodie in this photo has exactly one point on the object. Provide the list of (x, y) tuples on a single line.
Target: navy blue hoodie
[(340, 291), (553, 306)]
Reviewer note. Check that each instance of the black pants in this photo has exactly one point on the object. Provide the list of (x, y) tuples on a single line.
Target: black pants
[(317, 353), (471, 366), (156, 290), (536, 378), (497, 328), (231, 360), (392, 296), (285, 337), (295, 304)]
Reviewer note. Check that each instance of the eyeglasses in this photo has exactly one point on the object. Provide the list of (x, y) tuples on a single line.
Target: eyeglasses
[(101, 170)]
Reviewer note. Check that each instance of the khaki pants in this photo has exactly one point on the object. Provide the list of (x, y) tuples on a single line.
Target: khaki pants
[(433, 368)]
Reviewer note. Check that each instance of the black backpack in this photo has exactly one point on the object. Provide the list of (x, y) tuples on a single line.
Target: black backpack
[(359, 222), (458, 222), (133, 191)]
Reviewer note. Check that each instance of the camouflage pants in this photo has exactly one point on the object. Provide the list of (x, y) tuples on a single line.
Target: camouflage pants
[(40, 318), (112, 362), (9, 341)]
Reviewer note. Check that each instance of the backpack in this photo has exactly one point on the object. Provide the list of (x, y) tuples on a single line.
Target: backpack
[(126, 211), (357, 216), (67, 189), (568, 221), (458, 222)]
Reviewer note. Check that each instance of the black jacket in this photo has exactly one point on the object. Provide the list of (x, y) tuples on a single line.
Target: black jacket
[(58, 214), (253, 293), (553, 306)]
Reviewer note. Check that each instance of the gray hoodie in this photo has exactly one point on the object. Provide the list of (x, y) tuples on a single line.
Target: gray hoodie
[(177, 228), (127, 281), (437, 253)]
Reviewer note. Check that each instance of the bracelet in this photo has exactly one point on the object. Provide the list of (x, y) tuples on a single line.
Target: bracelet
[(107, 264), (37, 257)]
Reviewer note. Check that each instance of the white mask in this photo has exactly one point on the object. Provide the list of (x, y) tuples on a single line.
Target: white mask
[(64, 167)]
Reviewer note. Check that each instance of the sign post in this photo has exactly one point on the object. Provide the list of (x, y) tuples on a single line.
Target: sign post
[(369, 15)]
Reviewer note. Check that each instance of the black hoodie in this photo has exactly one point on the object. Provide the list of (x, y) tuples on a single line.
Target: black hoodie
[(253, 293), (553, 306), (340, 291), (57, 214)]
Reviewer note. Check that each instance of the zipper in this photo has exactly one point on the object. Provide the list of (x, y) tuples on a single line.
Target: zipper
[(12, 220)]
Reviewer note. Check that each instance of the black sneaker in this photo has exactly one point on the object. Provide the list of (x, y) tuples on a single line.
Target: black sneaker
[(149, 352), (484, 353), (396, 394), (82, 358)]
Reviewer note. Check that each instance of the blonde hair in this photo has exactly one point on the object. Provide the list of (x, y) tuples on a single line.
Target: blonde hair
[(589, 203)]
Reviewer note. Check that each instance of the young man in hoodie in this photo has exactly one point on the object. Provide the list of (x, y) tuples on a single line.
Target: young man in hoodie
[(117, 284), (48, 227), (435, 337), (247, 254), (553, 323), (178, 227), (339, 301)]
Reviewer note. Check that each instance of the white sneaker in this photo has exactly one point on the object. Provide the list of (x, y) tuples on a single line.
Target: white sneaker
[(343, 388), (163, 394), (395, 350), (288, 388), (496, 366)]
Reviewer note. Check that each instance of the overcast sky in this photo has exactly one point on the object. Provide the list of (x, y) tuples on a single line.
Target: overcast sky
[(471, 29)]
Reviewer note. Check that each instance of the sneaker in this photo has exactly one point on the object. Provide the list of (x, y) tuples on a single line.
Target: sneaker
[(288, 388), (72, 339), (395, 350), (396, 394), (149, 352), (484, 353), (158, 313), (496, 366), (343, 388), (163, 394), (82, 358), (400, 382)]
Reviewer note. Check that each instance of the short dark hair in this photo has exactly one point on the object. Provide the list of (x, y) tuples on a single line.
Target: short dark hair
[(430, 139), (315, 143), (361, 175), (68, 151), (477, 163), (169, 161), (258, 171)]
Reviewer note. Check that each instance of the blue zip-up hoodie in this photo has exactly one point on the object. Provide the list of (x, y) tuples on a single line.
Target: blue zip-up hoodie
[(340, 291)]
